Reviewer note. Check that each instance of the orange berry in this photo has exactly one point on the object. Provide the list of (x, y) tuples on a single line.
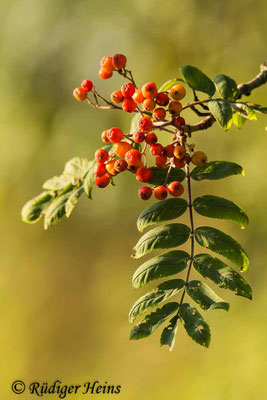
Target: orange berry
[(104, 74), (119, 61), (106, 64), (104, 136), (156, 149), (149, 104), (144, 174), (168, 150), (115, 135), (110, 167), (145, 124), (151, 138), (179, 163), (162, 99), (101, 155), (129, 105), (175, 189), (133, 157), (122, 148), (102, 181), (145, 192), (199, 158), (80, 94), (120, 165), (87, 85), (175, 107), (100, 169), (149, 90), (177, 92), (159, 114), (138, 96), (160, 193), (179, 151), (139, 137), (128, 89), (161, 160), (116, 97)]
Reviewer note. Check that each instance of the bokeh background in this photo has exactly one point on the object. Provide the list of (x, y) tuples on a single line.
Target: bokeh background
[(65, 293)]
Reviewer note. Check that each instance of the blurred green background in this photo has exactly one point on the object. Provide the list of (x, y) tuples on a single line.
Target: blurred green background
[(65, 293)]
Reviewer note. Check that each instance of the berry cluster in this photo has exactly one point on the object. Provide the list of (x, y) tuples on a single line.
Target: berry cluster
[(129, 151)]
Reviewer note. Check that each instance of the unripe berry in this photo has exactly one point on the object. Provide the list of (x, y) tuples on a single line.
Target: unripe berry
[(122, 148), (101, 155), (180, 121), (160, 160), (133, 157), (129, 105), (104, 136), (128, 89), (104, 74), (160, 193), (138, 96), (80, 94), (119, 61), (151, 138), (87, 85), (110, 167), (145, 192), (145, 124), (120, 165), (139, 137), (156, 149), (149, 90), (100, 169), (162, 99), (149, 104), (175, 189), (102, 181), (199, 158), (116, 97), (106, 64), (175, 107), (168, 150), (179, 151), (144, 174), (178, 92), (159, 114), (115, 135), (179, 163)]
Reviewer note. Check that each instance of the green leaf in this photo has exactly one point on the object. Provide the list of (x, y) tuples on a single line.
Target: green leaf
[(34, 209), (168, 334), (257, 107), (152, 321), (216, 170), (160, 212), (245, 111), (238, 120), (205, 297), (157, 296), (223, 275), (57, 183), (77, 168), (218, 207), (223, 244), (161, 266), (164, 237), (89, 180), (222, 111), (73, 200), (195, 325), (197, 80), (169, 84), (226, 86), (134, 124), (159, 175)]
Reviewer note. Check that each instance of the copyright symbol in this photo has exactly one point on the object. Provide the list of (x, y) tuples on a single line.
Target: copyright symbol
[(18, 387)]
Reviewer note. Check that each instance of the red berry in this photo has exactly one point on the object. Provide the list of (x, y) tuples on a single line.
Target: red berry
[(156, 149), (133, 157), (80, 94), (145, 124), (162, 99), (168, 150), (116, 97), (179, 163), (149, 90), (115, 135), (159, 114), (138, 96), (139, 137), (102, 181), (104, 137), (87, 85), (175, 189), (161, 160), (128, 89), (120, 165), (104, 74), (144, 174), (145, 192), (129, 105), (106, 64), (100, 169), (151, 138), (101, 155), (119, 61), (149, 104), (160, 193), (180, 121)]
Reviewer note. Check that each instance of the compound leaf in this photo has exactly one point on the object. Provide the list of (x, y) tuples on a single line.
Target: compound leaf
[(197, 80), (88, 182), (34, 209), (216, 170), (205, 297), (195, 325), (168, 334), (57, 183)]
